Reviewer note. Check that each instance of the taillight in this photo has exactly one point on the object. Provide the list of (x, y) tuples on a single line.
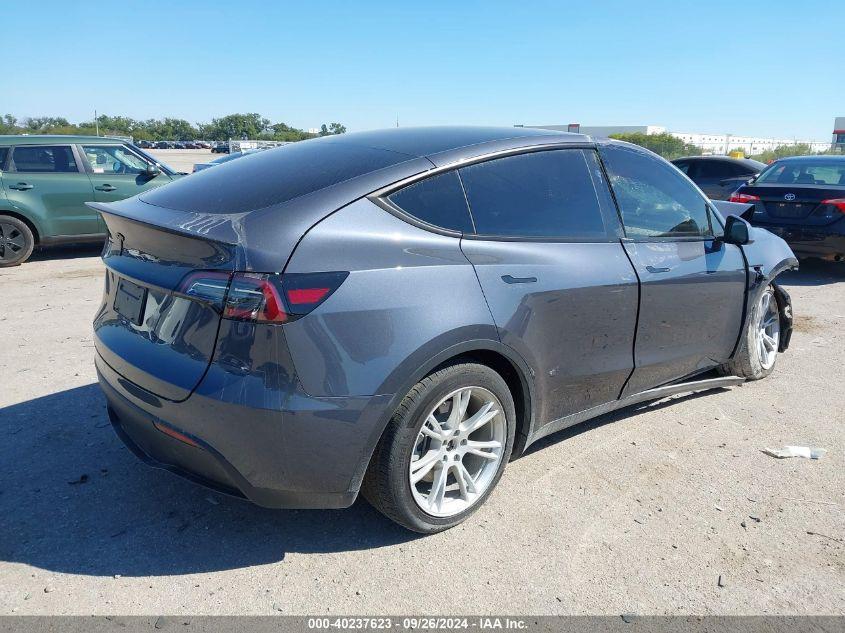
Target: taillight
[(208, 286), (272, 298), (745, 198), (839, 203)]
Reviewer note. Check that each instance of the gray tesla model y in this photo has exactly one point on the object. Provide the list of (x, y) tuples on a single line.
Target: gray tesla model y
[(399, 313)]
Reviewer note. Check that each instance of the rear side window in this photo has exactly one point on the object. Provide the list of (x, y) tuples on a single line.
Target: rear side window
[(4, 154), (655, 200), (272, 176), (720, 169), (438, 200), (43, 159), (548, 194)]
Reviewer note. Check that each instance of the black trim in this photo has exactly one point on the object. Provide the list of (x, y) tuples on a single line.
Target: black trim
[(83, 238)]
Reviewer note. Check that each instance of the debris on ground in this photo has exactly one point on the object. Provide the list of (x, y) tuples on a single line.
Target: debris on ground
[(82, 479), (795, 451), (721, 581), (832, 538)]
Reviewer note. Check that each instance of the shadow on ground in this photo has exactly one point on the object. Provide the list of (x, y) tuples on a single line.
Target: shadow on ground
[(814, 272), (75, 500), (66, 251)]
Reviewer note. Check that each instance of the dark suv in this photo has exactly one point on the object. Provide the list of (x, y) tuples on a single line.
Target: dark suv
[(719, 176), (401, 312)]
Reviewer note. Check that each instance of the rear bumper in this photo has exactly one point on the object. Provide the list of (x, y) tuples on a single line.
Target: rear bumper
[(310, 454), (826, 242)]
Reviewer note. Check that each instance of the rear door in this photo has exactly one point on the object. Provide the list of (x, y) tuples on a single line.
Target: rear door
[(558, 283), (692, 284), (47, 184)]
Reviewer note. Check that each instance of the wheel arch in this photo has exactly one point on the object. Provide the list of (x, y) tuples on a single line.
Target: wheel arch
[(499, 357), (36, 232)]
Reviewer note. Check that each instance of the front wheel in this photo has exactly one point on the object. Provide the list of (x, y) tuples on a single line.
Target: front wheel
[(444, 450), (16, 241), (758, 350)]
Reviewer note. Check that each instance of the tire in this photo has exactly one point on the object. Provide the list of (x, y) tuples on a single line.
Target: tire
[(16, 241), (757, 357), (446, 445)]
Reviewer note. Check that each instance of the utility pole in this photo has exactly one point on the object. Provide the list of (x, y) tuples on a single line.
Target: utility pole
[(96, 123)]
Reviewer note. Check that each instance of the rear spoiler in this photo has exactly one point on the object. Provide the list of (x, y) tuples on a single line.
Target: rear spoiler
[(740, 209)]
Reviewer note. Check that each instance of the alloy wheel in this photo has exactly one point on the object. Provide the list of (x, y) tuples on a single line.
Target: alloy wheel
[(458, 451), (768, 329), (12, 242)]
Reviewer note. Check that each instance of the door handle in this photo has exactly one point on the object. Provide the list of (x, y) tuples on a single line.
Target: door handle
[(105, 188), (22, 186), (657, 269), (518, 280)]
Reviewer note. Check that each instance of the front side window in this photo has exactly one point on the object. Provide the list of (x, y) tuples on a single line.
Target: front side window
[(655, 201), (34, 159), (438, 200), (113, 159), (546, 194)]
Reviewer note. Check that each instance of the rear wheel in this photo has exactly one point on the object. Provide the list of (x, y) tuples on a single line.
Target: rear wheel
[(444, 449), (758, 351), (16, 241)]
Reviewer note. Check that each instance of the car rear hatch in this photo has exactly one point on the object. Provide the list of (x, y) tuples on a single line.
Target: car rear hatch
[(149, 329), (172, 251)]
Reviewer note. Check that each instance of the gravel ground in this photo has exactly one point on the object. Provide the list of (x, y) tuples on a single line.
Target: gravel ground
[(641, 511), (183, 159)]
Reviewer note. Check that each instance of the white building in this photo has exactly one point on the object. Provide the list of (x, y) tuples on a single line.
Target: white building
[(709, 143), (724, 143)]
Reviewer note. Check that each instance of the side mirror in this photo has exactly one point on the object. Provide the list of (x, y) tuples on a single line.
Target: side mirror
[(736, 231), (152, 171)]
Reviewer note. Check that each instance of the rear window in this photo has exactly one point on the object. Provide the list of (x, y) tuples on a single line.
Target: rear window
[(804, 173), (438, 200), (271, 177)]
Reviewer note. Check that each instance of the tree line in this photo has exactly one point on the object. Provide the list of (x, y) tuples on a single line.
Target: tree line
[(231, 126)]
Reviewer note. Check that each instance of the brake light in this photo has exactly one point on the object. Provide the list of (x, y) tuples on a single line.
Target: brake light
[(272, 298), (745, 198), (839, 203), (208, 286)]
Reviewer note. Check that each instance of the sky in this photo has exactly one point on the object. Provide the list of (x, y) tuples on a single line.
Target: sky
[(773, 68)]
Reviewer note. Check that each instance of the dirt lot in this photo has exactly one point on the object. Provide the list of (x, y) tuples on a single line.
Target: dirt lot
[(183, 159), (642, 511)]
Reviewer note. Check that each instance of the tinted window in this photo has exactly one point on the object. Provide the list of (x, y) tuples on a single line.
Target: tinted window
[(4, 153), (720, 169), (683, 165), (438, 201), (540, 194), (272, 177), (43, 158), (654, 199)]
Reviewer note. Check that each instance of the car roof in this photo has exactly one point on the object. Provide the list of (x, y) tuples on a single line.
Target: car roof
[(814, 158), (426, 141), (53, 139)]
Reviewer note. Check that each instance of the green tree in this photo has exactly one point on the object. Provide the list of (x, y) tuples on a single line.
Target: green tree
[(238, 126), (333, 128), (665, 144), (782, 151)]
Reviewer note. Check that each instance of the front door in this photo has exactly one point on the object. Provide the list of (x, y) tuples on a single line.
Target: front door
[(692, 284), (559, 285), (46, 183), (117, 172)]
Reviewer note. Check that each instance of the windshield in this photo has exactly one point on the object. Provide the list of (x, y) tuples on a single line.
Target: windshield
[(167, 169), (808, 172)]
